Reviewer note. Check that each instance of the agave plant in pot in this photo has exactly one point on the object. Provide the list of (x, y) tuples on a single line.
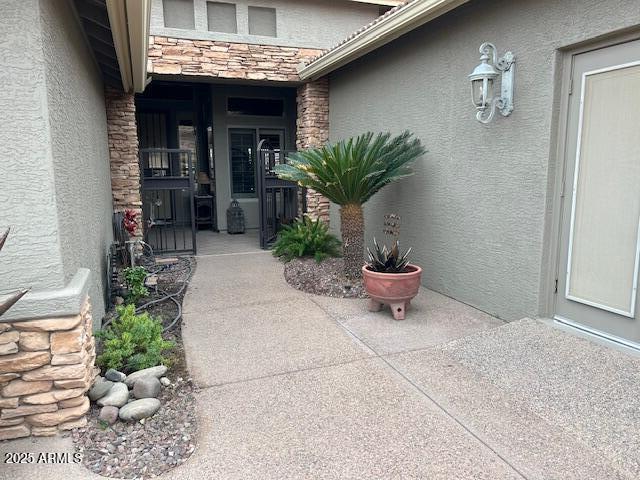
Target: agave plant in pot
[(390, 279)]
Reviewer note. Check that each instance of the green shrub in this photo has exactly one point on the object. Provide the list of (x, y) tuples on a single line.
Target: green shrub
[(134, 279), (306, 238), (133, 342)]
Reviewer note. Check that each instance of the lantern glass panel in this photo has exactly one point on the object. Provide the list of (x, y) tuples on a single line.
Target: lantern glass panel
[(482, 91)]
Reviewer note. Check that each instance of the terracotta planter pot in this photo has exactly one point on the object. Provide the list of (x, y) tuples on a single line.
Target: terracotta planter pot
[(394, 289)]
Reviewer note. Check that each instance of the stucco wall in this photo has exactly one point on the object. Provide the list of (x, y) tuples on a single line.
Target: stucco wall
[(55, 186), (475, 210), (303, 23), (31, 256), (80, 153)]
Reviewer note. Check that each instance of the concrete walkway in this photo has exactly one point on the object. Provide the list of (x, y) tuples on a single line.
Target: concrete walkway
[(216, 243), (302, 387)]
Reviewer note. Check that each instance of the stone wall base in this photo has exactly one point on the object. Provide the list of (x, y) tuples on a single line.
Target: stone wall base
[(47, 366)]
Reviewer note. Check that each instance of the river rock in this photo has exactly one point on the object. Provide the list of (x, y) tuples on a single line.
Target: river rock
[(146, 387), (157, 372), (117, 396), (109, 414), (100, 389), (139, 409), (165, 381), (114, 375)]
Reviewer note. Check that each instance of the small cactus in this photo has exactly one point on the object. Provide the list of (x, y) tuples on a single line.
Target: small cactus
[(7, 302)]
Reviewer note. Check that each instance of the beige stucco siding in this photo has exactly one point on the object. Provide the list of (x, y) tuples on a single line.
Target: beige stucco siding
[(31, 256), (301, 23), (477, 208), (55, 186), (79, 146)]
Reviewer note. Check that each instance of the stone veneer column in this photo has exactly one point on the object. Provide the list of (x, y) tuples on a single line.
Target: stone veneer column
[(123, 152), (46, 368), (313, 131)]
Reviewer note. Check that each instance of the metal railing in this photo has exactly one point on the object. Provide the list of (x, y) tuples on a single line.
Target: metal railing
[(168, 188), (278, 198)]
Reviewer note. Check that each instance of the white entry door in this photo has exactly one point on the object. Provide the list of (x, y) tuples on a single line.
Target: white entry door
[(600, 234)]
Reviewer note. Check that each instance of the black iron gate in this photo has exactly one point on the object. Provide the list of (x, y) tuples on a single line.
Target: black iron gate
[(167, 199), (278, 198)]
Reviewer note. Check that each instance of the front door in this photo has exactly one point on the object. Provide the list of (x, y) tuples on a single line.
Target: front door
[(599, 244)]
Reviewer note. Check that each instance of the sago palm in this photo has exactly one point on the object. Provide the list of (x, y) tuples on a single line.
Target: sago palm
[(349, 173)]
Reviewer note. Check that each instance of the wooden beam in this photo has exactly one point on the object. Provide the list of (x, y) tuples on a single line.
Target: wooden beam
[(107, 70), (112, 81), (93, 13), (107, 60), (97, 32), (105, 49)]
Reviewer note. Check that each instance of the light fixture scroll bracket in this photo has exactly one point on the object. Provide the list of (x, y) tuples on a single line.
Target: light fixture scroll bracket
[(506, 65), (491, 67)]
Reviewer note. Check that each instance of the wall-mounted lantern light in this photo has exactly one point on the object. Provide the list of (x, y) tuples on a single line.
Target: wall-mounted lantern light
[(483, 83)]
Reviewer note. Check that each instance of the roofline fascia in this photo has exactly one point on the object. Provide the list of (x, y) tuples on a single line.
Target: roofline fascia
[(138, 20), (129, 20), (406, 19), (383, 3), (118, 22)]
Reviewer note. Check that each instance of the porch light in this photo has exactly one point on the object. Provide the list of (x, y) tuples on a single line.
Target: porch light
[(483, 79)]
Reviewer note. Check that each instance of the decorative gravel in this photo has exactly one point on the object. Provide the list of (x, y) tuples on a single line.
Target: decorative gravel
[(154, 445), (146, 448), (325, 278)]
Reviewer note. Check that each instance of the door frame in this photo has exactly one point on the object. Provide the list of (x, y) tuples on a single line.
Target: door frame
[(566, 85)]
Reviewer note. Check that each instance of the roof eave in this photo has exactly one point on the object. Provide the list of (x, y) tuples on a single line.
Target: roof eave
[(384, 3), (403, 21), (129, 21)]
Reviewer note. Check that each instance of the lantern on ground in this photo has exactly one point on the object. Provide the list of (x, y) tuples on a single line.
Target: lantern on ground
[(235, 218)]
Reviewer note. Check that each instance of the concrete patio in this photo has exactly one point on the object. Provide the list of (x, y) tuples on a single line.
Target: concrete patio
[(223, 243), (297, 386)]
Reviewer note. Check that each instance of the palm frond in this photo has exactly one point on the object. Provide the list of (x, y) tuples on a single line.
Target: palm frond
[(353, 170)]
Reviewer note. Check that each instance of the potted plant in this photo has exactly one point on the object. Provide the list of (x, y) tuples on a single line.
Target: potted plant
[(389, 278)]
